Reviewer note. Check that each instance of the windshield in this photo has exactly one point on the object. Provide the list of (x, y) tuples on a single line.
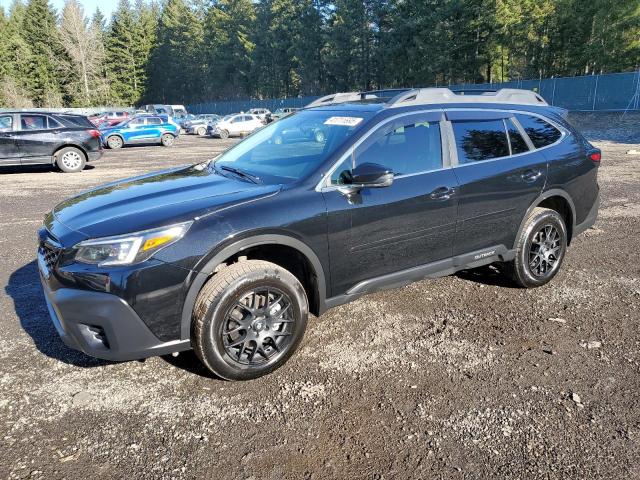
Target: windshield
[(291, 148)]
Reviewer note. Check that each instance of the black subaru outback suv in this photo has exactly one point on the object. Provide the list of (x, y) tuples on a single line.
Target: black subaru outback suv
[(47, 138), (230, 256)]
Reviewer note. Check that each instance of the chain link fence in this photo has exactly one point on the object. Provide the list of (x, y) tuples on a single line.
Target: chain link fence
[(607, 92)]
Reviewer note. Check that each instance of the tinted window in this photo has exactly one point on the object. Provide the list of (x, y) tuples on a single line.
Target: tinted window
[(518, 144), (76, 120), (6, 123), (53, 123), (480, 140), (405, 148), (33, 122), (154, 121), (540, 132), (137, 121)]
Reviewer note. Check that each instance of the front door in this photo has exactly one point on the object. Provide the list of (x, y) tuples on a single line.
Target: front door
[(36, 139), (380, 231), (9, 153), (500, 175)]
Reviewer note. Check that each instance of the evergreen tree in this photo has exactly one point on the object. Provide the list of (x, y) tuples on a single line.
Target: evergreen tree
[(229, 43), (176, 60), (44, 78)]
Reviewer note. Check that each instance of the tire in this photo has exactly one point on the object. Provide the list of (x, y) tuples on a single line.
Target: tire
[(224, 134), (167, 139), (540, 249), (70, 160), (202, 131), (114, 142), (232, 328)]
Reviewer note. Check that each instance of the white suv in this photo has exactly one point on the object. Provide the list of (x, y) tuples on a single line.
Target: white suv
[(261, 113), (237, 125)]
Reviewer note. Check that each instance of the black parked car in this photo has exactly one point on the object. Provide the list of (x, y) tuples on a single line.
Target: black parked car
[(228, 257), (46, 138)]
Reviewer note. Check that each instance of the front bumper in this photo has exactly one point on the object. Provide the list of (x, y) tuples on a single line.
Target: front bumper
[(100, 324)]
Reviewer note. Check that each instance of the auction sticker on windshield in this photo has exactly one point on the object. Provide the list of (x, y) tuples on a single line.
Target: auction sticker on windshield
[(343, 121)]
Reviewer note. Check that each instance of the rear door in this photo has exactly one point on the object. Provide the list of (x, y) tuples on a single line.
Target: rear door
[(9, 153), (380, 231), (37, 138), (136, 131), (499, 174)]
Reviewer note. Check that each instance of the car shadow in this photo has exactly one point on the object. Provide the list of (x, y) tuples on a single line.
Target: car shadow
[(487, 275), (189, 362), (26, 292), (36, 169)]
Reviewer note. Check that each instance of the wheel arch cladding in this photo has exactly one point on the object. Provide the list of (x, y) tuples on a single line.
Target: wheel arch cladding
[(288, 252), (557, 200)]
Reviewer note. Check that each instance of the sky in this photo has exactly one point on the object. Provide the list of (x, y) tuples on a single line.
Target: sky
[(106, 6)]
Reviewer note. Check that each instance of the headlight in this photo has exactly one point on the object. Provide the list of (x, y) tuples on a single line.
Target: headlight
[(128, 249)]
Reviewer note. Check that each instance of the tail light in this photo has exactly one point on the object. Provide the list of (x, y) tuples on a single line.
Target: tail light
[(595, 155), (94, 133)]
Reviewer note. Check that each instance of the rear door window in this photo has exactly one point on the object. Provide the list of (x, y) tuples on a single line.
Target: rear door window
[(52, 123), (541, 132), (479, 140)]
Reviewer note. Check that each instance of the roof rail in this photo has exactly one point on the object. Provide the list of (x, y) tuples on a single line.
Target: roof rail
[(422, 96), (341, 97)]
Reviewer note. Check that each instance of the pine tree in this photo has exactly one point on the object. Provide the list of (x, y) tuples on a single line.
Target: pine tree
[(230, 30), (121, 62), (176, 69), (48, 57)]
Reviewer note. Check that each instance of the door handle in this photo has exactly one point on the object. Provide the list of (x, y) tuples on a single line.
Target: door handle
[(442, 193), (531, 176)]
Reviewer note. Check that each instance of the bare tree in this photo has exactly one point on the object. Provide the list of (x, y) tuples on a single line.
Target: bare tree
[(13, 95), (86, 54)]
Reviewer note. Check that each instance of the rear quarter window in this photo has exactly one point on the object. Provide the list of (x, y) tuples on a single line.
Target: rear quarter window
[(75, 121), (541, 132)]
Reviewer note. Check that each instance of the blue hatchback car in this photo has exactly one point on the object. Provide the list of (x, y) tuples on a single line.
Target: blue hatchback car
[(141, 129)]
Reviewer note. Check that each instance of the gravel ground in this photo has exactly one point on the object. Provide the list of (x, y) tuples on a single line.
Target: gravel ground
[(460, 377)]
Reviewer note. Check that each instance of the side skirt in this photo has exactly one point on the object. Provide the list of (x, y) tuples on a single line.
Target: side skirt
[(441, 268)]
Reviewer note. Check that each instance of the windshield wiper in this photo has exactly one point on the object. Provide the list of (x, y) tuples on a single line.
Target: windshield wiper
[(240, 173)]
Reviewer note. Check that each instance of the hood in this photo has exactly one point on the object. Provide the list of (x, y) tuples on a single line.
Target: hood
[(154, 200)]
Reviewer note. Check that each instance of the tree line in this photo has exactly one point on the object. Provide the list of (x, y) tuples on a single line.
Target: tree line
[(185, 51)]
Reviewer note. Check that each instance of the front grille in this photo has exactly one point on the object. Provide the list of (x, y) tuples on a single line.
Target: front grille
[(49, 250), (50, 255)]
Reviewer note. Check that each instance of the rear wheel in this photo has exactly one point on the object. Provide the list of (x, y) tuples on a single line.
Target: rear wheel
[(70, 160), (115, 142), (167, 139), (540, 249), (249, 319), (224, 134)]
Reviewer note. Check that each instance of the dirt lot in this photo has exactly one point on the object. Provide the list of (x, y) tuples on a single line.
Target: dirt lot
[(461, 377)]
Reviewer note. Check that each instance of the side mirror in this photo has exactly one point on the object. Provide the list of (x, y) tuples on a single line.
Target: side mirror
[(372, 175)]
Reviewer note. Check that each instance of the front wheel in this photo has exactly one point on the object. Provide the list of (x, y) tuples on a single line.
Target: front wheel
[(167, 139), (224, 134), (202, 131), (540, 249), (249, 319)]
